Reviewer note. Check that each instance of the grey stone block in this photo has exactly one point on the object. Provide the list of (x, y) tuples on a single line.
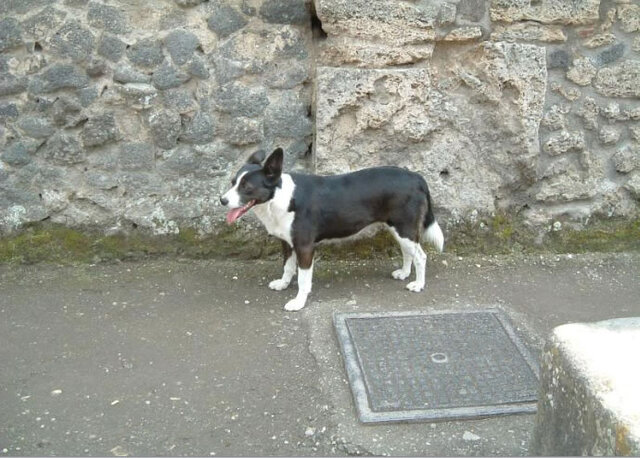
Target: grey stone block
[(66, 111), (199, 129), (99, 130), (86, 96), (181, 45), (10, 84), (10, 33), (472, 10), (96, 67), (179, 99), (73, 40), (611, 54), (107, 17), (588, 389), (43, 23), (165, 128), (285, 12), (127, 74), (167, 76), (19, 153), (289, 117), (225, 20), (241, 100), (244, 131), (63, 149), (558, 58), (8, 111), (36, 126), (183, 160), (146, 53), (59, 76), (136, 156), (111, 47), (197, 68), (21, 6), (188, 3)]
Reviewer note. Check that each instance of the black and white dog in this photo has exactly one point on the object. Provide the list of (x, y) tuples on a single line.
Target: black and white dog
[(303, 210)]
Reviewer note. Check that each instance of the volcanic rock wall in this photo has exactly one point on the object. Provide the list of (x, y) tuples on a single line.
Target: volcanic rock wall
[(123, 114)]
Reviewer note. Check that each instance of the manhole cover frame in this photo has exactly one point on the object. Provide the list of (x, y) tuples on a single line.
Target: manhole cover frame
[(359, 389)]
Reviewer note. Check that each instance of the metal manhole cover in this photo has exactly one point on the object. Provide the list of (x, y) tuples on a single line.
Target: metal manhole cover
[(413, 366)]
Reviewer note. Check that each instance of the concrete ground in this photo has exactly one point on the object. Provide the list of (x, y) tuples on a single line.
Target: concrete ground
[(184, 357)]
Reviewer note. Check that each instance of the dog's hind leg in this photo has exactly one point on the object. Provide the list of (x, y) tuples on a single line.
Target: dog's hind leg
[(290, 264), (407, 257), (412, 251)]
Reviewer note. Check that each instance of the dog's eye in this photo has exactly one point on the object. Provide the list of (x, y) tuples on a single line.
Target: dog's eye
[(246, 186)]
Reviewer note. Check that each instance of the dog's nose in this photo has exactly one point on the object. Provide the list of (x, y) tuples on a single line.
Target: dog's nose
[(224, 201)]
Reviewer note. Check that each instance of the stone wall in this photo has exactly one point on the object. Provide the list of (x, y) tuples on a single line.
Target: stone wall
[(122, 114)]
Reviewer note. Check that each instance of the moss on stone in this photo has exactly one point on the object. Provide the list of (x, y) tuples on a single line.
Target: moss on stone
[(500, 234)]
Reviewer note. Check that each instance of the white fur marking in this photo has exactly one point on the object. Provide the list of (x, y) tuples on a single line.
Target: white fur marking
[(274, 213), (232, 195), (287, 274), (304, 288), (407, 256), (435, 236)]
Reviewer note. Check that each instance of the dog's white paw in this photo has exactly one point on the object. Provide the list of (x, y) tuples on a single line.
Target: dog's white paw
[(415, 286), (294, 305), (400, 274), (279, 284)]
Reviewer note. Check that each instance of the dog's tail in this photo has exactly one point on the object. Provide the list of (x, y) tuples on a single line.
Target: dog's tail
[(432, 232)]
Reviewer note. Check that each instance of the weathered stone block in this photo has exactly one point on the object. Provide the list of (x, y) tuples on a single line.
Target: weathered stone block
[(611, 54), (73, 40), (528, 31), (8, 111), (198, 68), (63, 149), (285, 11), (10, 84), (99, 130), (627, 159), (66, 111), (141, 96), (21, 6), (621, 80), (43, 23), (127, 74), (564, 142), (629, 16), (19, 153), (472, 10), (445, 129), (546, 11), (146, 53), (225, 20), (289, 117), (136, 156), (36, 126), (243, 131), (587, 403), (107, 17), (111, 47), (180, 100), (165, 128), (167, 76), (582, 72), (199, 129), (59, 76), (239, 99), (10, 33), (609, 135), (181, 45)]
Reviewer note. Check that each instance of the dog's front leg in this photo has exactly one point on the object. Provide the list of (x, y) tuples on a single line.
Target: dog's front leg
[(305, 275), (290, 264)]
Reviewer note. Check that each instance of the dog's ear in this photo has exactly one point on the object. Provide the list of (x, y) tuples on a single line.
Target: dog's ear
[(273, 166), (257, 157)]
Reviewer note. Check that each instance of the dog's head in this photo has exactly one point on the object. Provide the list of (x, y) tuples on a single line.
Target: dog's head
[(253, 184)]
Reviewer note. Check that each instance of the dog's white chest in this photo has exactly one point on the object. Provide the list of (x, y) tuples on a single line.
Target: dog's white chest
[(275, 215)]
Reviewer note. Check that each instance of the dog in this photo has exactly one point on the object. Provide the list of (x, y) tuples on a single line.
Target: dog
[(303, 210)]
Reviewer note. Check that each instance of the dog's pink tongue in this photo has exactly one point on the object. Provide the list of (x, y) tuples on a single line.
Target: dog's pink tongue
[(234, 214)]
